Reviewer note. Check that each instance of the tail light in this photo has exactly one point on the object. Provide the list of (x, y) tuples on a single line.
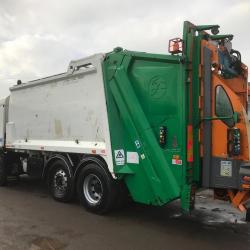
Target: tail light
[(163, 136), (246, 178), (233, 141), (175, 46)]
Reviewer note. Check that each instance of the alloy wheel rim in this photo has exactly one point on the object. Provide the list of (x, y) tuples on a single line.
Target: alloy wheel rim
[(92, 189)]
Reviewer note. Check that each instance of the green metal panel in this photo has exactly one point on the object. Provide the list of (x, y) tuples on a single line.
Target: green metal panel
[(196, 111), (192, 53), (186, 194), (192, 36), (145, 92)]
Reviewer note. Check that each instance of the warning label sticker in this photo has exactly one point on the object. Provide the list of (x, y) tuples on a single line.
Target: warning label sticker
[(132, 157), (119, 157), (226, 168), (176, 162)]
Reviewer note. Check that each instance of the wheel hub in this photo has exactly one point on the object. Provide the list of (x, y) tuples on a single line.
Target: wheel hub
[(92, 189), (60, 180)]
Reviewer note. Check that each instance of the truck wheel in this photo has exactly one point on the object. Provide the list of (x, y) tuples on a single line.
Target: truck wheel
[(96, 189), (248, 215), (60, 182), (3, 174)]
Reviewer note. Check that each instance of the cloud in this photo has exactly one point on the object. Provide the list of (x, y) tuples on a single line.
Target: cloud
[(39, 38)]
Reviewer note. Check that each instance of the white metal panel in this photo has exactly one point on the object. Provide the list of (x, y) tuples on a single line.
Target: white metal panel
[(64, 113)]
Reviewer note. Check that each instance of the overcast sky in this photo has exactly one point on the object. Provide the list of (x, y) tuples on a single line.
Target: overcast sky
[(39, 37)]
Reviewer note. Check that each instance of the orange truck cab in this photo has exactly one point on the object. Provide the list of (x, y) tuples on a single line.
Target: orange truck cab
[(224, 131)]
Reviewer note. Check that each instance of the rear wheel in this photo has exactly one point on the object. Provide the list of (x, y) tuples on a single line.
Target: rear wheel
[(96, 189), (3, 173), (248, 215), (60, 181)]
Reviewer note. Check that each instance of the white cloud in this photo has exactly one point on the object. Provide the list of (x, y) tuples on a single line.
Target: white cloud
[(39, 38)]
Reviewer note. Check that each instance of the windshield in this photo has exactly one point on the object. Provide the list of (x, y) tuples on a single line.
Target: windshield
[(223, 106)]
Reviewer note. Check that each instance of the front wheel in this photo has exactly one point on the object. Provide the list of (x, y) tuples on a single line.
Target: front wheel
[(96, 189), (60, 181), (3, 173)]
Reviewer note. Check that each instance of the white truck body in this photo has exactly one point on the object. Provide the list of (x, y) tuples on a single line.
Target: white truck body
[(61, 113)]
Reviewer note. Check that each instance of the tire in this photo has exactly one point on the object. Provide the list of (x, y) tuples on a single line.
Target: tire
[(96, 189), (3, 173), (60, 181), (248, 215)]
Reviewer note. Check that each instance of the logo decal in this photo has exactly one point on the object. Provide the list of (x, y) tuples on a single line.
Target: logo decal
[(157, 87)]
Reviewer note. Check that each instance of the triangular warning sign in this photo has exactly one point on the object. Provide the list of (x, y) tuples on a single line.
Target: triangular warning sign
[(119, 155)]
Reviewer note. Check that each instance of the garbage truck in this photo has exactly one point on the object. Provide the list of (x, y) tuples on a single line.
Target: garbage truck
[(155, 127)]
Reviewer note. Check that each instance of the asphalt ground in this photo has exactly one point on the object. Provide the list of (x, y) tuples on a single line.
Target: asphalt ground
[(30, 219)]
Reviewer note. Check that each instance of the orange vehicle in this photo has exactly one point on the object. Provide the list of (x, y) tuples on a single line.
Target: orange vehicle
[(218, 117), (224, 129)]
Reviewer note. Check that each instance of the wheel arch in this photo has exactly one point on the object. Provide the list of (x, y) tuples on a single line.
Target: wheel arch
[(48, 164), (91, 159)]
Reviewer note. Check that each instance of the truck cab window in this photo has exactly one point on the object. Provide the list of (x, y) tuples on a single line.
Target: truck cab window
[(223, 106)]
